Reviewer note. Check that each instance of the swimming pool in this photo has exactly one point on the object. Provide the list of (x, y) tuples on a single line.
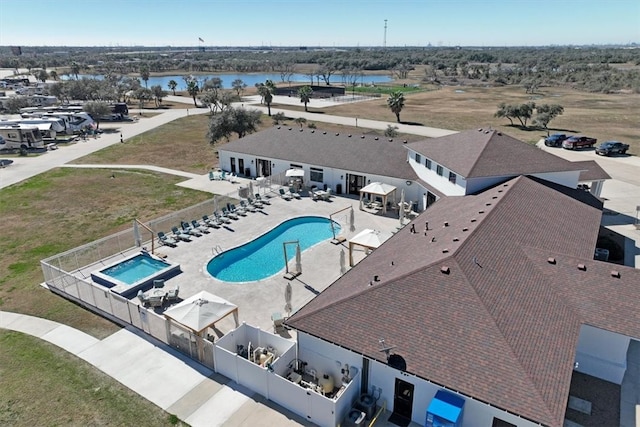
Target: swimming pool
[(126, 276), (263, 257)]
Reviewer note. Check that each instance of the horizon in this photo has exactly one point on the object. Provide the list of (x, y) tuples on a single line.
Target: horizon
[(326, 24)]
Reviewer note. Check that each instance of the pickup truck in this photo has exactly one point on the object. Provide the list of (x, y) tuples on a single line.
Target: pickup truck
[(574, 142), (612, 147), (555, 140)]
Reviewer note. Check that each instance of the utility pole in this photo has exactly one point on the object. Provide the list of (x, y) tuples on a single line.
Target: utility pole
[(384, 40)]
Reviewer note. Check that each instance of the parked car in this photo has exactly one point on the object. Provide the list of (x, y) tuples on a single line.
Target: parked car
[(612, 147), (574, 142), (555, 140)]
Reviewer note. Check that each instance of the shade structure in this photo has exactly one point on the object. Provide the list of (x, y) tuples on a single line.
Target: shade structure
[(294, 172), (201, 311), (368, 239), (379, 189)]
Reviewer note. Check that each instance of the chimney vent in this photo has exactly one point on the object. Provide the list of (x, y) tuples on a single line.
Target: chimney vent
[(445, 250), (615, 273), (582, 267), (446, 223), (551, 260), (445, 270)]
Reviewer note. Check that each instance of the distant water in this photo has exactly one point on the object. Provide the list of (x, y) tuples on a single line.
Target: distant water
[(249, 79)]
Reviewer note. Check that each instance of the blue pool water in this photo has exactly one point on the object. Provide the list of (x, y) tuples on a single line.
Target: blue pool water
[(263, 257), (135, 269)]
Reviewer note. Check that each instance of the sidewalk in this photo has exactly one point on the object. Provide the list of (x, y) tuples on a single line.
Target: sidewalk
[(160, 374)]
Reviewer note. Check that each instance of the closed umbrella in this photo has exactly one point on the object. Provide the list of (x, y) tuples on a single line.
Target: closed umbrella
[(251, 189), (288, 293), (401, 208), (352, 221), (136, 234), (215, 204), (343, 262), (298, 259)]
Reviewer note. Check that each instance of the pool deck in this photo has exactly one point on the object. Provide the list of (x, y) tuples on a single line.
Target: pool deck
[(256, 301)]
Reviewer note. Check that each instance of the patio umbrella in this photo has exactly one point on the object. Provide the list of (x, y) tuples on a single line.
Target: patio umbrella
[(352, 221), (401, 208), (298, 259), (288, 293), (294, 172), (424, 202), (343, 262)]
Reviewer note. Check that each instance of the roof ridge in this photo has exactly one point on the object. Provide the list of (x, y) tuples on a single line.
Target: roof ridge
[(486, 143)]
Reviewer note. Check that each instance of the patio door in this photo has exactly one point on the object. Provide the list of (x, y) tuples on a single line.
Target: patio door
[(241, 167), (233, 165), (355, 183), (264, 167), (403, 399)]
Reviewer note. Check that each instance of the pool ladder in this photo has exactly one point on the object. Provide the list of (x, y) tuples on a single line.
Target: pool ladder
[(216, 250)]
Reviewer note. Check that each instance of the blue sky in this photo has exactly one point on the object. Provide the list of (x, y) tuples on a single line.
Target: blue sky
[(318, 23)]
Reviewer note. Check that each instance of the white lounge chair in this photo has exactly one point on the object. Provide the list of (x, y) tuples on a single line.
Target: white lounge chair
[(285, 195), (247, 207), (180, 235), (167, 240), (200, 227)]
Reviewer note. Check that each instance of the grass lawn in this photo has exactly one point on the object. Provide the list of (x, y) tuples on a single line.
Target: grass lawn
[(43, 385), (603, 116)]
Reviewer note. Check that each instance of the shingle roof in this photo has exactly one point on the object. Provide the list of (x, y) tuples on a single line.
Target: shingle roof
[(481, 153), (591, 170), (502, 324), (358, 153)]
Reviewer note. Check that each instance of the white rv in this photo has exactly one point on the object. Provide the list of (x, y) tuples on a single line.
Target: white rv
[(20, 136)]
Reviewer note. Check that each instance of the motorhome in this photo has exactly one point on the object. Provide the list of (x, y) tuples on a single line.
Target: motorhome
[(74, 121), (20, 136), (49, 127)]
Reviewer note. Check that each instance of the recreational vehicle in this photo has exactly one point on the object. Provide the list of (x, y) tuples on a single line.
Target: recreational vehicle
[(20, 136)]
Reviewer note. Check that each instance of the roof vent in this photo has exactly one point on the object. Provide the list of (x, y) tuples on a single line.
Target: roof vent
[(615, 273), (551, 260), (494, 197), (349, 135), (390, 139), (445, 251), (362, 137), (465, 228), (445, 270), (499, 191), (582, 267), (487, 204), (480, 212), (499, 133), (404, 142), (289, 128), (479, 129), (337, 134), (455, 239), (301, 129), (278, 127), (446, 223), (324, 133), (313, 131), (473, 220), (376, 138), (376, 278)]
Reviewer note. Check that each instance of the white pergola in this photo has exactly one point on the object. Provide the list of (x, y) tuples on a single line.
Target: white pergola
[(381, 190), (368, 239)]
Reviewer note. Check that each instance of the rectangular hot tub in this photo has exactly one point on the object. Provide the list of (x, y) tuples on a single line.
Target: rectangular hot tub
[(127, 276)]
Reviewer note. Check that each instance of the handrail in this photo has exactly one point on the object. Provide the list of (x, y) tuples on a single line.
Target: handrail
[(382, 410)]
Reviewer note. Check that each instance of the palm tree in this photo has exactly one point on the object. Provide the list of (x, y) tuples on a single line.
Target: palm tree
[(305, 93), (53, 74), (75, 69), (144, 73), (193, 89), (172, 86), (396, 103), (265, 92)]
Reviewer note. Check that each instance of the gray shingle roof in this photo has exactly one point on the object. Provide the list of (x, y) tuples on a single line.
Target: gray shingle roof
[(503, 324), (328, 149), (591, 170), (481, 153)]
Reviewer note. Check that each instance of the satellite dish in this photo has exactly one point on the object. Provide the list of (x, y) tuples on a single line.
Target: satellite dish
[(397, 361)]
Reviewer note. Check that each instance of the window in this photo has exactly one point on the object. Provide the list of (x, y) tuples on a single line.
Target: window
[(418, 158), (427, 163), (439, 170), (293, 166), (316, 175), (452, 177)]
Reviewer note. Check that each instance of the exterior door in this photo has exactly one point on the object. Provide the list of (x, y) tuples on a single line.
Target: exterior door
[(403, 399), (355, 183), (233, 165), (264, 167), (241, 166)]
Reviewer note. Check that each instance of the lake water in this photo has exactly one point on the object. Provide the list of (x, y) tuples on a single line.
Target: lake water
[(249, 79)]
